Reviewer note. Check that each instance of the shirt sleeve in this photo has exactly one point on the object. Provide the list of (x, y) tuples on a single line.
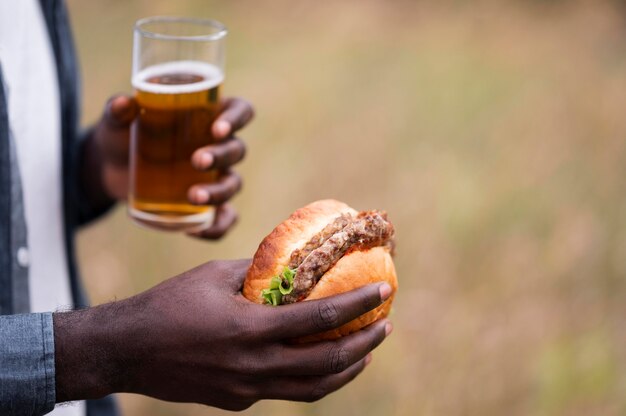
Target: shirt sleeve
[(27, 377)]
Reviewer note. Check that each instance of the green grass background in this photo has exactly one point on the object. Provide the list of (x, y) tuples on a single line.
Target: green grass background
[(494, 134)]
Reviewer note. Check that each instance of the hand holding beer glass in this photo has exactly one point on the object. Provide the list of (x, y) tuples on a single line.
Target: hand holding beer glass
[(178, 70)]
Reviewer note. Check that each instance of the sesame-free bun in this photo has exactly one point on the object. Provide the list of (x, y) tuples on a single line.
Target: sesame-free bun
[(357, 268)]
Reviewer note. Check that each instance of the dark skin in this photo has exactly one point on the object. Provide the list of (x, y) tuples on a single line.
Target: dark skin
[(105, 160), (195, 338)]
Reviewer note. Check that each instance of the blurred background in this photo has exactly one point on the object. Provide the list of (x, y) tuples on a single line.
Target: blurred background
[(493, 132)]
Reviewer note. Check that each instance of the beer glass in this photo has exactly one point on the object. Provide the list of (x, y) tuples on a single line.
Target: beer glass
[(178, 70)]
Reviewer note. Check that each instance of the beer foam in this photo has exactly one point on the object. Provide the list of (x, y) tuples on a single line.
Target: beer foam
[(212, 75)]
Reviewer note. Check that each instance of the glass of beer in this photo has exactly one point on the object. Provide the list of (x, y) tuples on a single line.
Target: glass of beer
[(178, 70)]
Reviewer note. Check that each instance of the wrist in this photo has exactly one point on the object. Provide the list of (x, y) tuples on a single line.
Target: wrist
[(93, 173), (86, 354)]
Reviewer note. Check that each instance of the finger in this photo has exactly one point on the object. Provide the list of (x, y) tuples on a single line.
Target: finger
[(220, 155), (230, 274), (216, 193), (315, 316), (329, 357), (120, 111), (225, 218), (112, 132), (313, 388), (235, 114), (235, 273)]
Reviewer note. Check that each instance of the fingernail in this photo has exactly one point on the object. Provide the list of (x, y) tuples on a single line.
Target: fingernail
[(206, 160), (385, 291), (388, 328), (201, 196), (221, 128), (368, 359)]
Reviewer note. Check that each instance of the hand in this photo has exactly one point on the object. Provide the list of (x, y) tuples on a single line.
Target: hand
[(195, 338), (112, 139)]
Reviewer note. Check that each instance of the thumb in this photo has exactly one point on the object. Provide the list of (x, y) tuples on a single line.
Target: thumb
[(237, 273), (120, 111), (112, 132)]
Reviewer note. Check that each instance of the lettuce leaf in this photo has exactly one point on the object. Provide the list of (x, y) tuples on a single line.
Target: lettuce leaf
[(280, 285)]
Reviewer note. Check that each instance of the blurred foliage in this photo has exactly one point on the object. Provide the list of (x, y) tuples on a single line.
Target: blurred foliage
[(492, 132), (575, 372)]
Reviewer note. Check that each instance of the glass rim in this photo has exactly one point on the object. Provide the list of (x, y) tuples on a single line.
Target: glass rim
[(221, 28)]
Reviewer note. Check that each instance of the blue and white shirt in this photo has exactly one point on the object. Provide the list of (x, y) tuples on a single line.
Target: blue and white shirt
[(41, 202)]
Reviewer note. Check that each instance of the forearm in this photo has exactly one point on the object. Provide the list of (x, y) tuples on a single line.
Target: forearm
[(91, 175), (88, 347)]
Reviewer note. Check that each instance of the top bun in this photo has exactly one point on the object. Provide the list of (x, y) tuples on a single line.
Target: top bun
[(357, 268)]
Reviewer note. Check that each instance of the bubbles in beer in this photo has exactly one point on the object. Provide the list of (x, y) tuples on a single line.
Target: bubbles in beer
[(175, 79), (178, 77)]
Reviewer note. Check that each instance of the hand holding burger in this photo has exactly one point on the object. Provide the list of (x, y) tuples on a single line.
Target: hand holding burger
[(323, 249), (195, 338)]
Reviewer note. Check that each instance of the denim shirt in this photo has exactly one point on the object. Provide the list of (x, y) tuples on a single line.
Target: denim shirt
[(27, 370)]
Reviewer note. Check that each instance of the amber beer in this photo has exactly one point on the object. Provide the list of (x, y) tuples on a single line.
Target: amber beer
[(178, 102)]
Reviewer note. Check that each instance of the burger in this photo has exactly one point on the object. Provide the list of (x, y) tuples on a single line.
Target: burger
[(324, 249)]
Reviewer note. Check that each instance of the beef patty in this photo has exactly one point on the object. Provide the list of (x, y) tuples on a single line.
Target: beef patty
[(366, 230)]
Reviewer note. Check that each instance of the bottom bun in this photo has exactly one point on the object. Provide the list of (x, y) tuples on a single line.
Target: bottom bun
[(357, 268)]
